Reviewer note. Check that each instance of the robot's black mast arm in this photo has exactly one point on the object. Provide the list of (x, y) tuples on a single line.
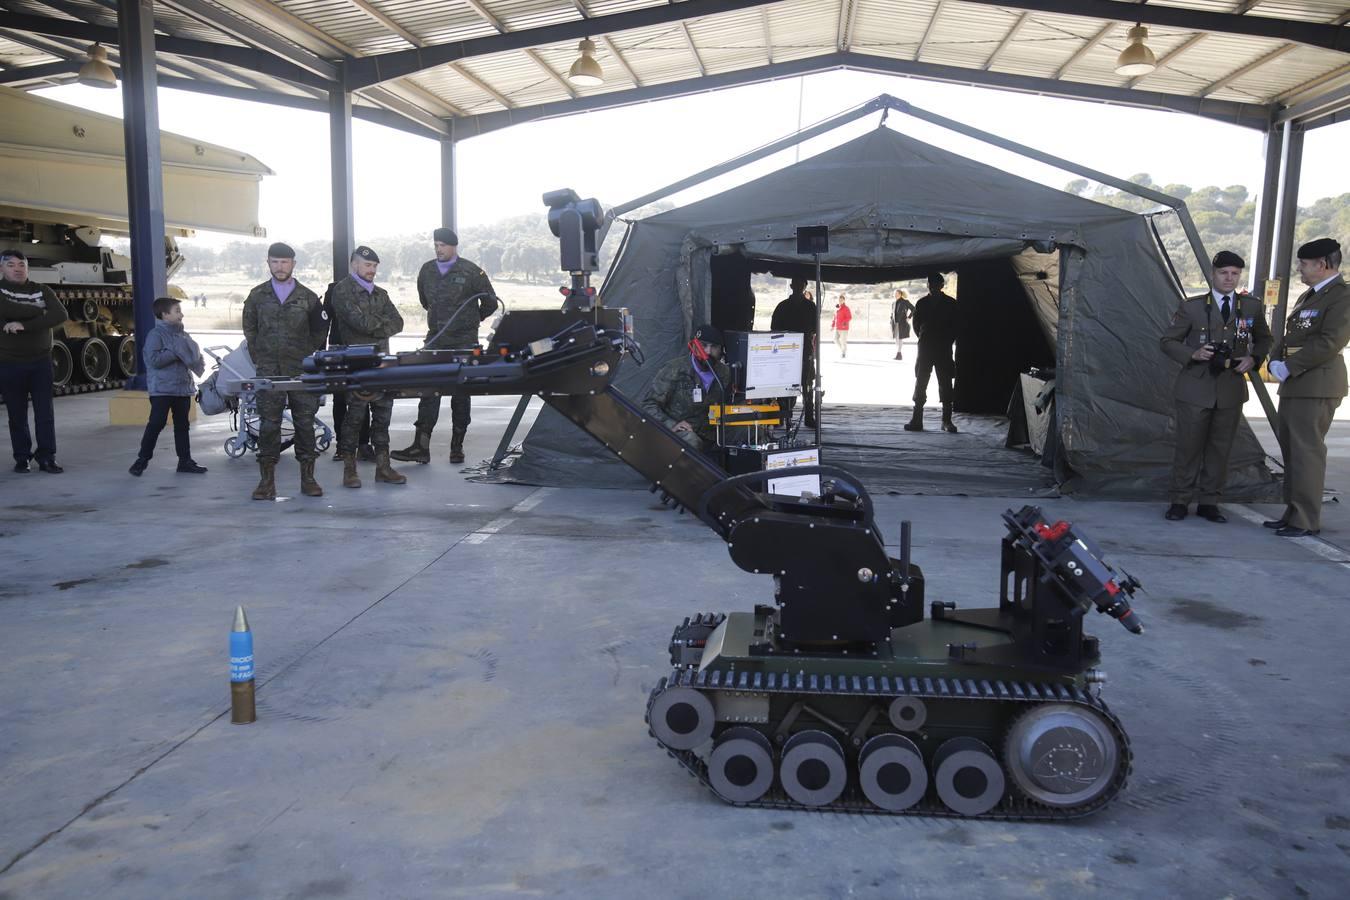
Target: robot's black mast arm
[(569, 359)]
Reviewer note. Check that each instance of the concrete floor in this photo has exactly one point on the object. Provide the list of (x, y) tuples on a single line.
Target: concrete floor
[(452, 679)]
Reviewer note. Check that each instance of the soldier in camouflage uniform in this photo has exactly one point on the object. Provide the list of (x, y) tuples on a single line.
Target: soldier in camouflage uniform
[(685, 386), (366, 315), (283, 323), (445, 286)]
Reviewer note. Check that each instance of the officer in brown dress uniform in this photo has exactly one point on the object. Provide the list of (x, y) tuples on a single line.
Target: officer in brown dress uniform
[(1218, 337), (1312, 377)]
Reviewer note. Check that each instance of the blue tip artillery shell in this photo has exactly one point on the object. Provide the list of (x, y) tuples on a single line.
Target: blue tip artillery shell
[(241, 656)]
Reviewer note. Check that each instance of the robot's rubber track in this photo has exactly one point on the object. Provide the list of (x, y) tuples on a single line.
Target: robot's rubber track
[(1024, 693)]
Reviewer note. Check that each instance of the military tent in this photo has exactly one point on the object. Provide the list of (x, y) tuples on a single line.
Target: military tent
[(1046, 277)]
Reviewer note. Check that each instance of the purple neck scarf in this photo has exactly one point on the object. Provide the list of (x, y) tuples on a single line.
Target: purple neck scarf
[(283, 288), (445, 266), (705, 377), (368, 285)]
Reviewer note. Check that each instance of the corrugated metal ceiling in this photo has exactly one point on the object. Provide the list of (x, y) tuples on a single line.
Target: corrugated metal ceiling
[(964, 35)]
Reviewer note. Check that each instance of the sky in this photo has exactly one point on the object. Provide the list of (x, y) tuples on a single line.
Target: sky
[(617, 155)]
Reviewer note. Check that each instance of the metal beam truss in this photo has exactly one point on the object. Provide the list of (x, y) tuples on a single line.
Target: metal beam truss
[(1246, 114), (276, 57)]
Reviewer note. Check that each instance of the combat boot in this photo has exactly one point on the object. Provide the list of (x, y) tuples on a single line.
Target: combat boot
[(419, 451), (385, 472), (457, 445), (308, 486), (349, 477), (915, 422), (947, 424), (267, 484)]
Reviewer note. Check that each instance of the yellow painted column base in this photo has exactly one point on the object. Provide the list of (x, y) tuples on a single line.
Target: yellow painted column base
[(133, 408)]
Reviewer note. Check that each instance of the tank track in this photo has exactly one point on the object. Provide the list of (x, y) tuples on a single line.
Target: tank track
[(1027, 694)]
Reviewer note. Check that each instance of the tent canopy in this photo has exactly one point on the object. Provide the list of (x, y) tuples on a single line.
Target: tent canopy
[(1091, 276)]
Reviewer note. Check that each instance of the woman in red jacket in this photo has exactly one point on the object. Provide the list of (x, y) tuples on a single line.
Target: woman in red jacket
[(842, 316)]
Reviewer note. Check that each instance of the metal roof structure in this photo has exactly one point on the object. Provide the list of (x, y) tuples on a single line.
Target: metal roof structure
[(464, 67)]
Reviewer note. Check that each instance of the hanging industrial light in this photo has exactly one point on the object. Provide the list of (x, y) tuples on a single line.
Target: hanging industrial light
[(96, 72), (1136, 59), (586, 72)]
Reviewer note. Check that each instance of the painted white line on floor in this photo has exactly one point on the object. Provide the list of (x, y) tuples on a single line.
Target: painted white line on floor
[(1315, 545), (488, 530), (534, 499)]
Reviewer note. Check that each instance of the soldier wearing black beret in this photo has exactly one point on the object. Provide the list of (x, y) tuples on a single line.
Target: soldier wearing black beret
[(1311, 371), (284, 322), (1218, 337), (457, 296)]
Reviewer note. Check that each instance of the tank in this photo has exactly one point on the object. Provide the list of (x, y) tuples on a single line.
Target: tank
[(63, 189)]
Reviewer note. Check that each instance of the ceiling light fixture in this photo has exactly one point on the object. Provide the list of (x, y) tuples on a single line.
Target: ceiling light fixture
[(1136, 59), (586, 72), (96, 72)]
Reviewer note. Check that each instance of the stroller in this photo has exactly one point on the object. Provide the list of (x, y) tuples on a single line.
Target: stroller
[(223, 390)]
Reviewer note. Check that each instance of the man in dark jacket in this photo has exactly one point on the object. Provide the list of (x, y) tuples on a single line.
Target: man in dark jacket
[(457, 295), (366, 315), (28, 313), (937, 320), (799, 314), (284, 322)]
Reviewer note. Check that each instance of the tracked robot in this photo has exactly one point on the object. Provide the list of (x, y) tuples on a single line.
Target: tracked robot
[(850, 690)]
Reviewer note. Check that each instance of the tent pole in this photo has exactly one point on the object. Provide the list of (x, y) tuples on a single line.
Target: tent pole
[(819, 392)]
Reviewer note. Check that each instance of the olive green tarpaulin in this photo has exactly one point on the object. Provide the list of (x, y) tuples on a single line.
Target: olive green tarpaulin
[(897, 204)]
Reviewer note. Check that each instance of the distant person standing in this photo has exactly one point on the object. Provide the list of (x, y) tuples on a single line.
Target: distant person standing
[(842, 317), (937, 320), (284, 322), (797, 313), (1312, 376), (457, 296), (901, 310), (28, 313), (366, 316)]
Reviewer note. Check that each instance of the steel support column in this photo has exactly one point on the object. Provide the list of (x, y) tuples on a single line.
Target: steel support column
[(1263, 234), (1291, 165), (449, 183), (145, 183), (340, 156)]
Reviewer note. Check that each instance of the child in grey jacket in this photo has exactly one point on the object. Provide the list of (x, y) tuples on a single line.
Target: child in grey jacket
[(170, 359)]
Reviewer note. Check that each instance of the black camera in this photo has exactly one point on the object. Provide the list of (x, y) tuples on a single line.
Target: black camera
[(1222, 358)]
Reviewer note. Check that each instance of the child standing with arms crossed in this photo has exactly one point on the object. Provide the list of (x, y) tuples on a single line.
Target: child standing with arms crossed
[(170, 359)]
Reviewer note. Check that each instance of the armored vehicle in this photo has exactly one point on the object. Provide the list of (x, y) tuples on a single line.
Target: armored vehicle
[(63, 189)]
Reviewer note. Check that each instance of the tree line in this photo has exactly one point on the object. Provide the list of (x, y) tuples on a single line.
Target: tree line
[(521, 248), (1225, 217)]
